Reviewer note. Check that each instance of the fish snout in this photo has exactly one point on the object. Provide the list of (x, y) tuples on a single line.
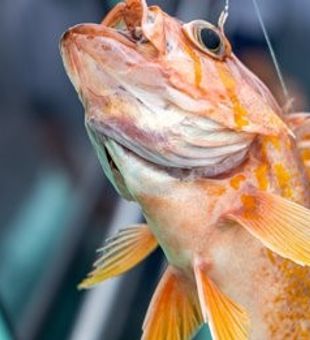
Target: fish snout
[(70, 49), (89, 53)]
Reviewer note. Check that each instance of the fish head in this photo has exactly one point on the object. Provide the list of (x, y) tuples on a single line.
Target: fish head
[(165, 99)]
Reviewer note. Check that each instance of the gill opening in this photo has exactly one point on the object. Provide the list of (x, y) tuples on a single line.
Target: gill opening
[(288, 100)]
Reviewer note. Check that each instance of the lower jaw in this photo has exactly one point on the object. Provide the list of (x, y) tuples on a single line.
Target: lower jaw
[(208, 172), (171, 166), (211, 171), (216, 171)]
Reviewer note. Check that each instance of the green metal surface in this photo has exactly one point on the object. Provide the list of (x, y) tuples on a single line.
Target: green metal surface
[(32, 238), (5, 329), (204, 334)]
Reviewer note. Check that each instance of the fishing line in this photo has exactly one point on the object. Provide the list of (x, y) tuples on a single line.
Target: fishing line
[(224, 15), (272, 52)]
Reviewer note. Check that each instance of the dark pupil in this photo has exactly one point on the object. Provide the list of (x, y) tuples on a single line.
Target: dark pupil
[(210, 39)]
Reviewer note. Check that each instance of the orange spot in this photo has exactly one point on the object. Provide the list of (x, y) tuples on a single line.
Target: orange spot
[(197, 64), (219, 191), (305, 155), (271, 256), (249, 204), (236, 181), (240, 112), (306, 136), (261, 176), (264, 151), (215, 190), (275, 141), (292, 286), (284, 180)]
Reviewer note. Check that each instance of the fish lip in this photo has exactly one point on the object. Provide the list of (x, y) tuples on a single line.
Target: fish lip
[(92, 31), (84, 39)]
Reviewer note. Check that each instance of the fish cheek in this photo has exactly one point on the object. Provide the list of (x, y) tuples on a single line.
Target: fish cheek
[(172, 229)]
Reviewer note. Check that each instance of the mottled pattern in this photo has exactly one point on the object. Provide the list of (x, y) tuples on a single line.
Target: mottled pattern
[(288, 311)]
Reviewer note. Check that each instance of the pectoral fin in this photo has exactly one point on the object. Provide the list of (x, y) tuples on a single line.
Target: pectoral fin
[(121, 253), (281, 225), (298, 121), (174, 312), (227, 320), (301, 125)]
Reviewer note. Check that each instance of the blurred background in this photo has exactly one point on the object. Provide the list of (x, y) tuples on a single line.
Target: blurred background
[(56, 206)]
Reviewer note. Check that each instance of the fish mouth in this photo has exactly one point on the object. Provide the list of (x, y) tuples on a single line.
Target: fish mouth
[(111, 162), (115, 150)]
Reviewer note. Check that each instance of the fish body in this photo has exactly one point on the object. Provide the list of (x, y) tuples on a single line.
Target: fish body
[(184, 129)]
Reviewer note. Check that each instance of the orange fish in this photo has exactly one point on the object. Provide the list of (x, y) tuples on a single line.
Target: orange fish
[(183, 128)]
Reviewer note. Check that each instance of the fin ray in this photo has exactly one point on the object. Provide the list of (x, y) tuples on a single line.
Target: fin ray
[(226, 318), (300, 123), (281, 225), (174, 312), (121, 253)]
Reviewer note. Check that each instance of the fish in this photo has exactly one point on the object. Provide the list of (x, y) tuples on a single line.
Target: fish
[(220, 171)]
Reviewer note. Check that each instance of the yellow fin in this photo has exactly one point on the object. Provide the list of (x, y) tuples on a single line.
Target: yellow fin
[(297, 120), (281, 225), (174, 312), (227, 320), (300, 123), (121, 253)]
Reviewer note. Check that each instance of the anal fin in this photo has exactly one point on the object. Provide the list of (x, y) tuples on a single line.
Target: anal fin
[(174, 312), (227, 320), (121, 253), (281, 225)]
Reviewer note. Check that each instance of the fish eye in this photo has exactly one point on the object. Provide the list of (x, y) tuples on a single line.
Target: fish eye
[(210, 39), (207, 38)]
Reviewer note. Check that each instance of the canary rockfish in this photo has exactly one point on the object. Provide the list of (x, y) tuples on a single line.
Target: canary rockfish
[(184, 129)]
